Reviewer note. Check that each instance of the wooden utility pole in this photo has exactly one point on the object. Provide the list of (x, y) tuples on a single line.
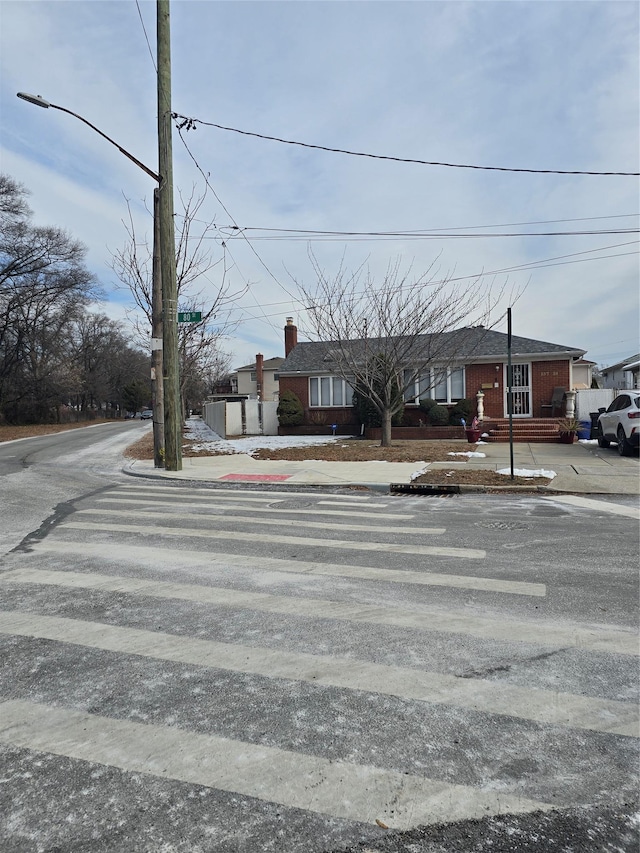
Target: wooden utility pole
[(157, 379), (171, 368)]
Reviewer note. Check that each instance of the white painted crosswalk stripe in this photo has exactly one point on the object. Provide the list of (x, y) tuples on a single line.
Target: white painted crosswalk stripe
[(271, 522), (344, 790), (238, 507), (540, 706), (264, 538), (153, 556), (593, 638)]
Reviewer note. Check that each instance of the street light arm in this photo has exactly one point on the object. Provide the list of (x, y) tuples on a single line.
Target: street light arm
[(40, 101)]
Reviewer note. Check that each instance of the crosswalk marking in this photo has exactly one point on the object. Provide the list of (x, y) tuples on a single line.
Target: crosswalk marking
[(149, 555), (271, 522), (540, 706), (594, 638), (599, 506), (263, 538), (356, 792), (355, 513), (243, 494)]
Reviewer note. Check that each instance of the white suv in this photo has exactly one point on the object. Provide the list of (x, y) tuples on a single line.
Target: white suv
[(621, 423)]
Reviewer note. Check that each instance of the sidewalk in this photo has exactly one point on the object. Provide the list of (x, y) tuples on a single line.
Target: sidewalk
[(580, 469)]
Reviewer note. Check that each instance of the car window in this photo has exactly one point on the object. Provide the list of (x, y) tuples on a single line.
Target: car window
[(636, 402), (613, 406)]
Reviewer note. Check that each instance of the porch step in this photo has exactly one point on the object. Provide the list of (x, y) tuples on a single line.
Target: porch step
[(525, 430)]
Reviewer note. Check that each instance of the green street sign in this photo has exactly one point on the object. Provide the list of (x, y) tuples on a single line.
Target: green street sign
[(189, 316)]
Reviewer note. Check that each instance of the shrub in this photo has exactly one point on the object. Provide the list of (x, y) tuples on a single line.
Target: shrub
[(438, 415), (367, 413), (290, 411), (426, 404), (462, 409)]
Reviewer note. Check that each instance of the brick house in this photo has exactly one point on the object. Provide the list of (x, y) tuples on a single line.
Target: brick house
[(476, 361)]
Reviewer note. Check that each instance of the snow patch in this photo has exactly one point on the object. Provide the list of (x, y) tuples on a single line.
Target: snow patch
[(206, 439), (526, 472), (468, 453)]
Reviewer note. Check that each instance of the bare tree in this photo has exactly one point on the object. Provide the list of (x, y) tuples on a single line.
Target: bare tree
[(199, 343), (382, 337)]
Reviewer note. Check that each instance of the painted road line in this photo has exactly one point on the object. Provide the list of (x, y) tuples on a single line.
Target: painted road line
[(358, 512), (243, 494), (587, 637), (349, 502), (154, 558), (489, 697), (271, 522), (600, 506), (281, 540), (355, 792)]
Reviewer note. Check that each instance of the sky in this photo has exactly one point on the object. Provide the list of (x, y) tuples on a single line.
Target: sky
[(545, 85)]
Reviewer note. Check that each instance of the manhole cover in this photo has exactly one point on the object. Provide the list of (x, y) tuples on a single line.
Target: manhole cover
[(502, 525)]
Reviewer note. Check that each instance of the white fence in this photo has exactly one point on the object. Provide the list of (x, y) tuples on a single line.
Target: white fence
[(242, 417), (591, 399)]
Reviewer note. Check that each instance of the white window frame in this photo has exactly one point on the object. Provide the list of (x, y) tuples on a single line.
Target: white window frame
[(434, 377), (347, 392)]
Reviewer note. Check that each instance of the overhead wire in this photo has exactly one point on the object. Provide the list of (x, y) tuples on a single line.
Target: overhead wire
[(190, 123), (144, 30), (208, 183)]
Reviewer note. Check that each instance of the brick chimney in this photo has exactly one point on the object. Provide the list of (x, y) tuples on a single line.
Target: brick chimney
[(259, 375), (290, 336)]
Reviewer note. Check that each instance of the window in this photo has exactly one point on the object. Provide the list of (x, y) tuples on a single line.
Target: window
[(276, 377), (329, 391), (443, 385), (254, 376)]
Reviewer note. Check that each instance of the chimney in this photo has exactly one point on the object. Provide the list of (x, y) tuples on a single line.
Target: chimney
[(290, 336), (259, 375)]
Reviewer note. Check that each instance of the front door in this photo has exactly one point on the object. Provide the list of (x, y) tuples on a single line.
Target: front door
[(521, 390)]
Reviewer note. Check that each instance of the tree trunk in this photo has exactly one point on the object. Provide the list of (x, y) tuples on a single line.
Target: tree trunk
[(386, 429)]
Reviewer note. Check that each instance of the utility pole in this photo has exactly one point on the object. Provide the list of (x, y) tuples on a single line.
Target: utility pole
[(157, 381), (171, 371)]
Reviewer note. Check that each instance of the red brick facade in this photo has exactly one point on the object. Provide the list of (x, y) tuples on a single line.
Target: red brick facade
[(487, 377)]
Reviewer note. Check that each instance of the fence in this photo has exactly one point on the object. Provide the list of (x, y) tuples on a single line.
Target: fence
[(591, 399), (242, 417)]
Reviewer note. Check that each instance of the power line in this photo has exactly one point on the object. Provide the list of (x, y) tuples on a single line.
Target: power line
[(235, 224), (186, 123), (153, 59), (533, 265), (351, 236)]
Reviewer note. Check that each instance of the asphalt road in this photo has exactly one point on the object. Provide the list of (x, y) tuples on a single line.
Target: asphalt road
[(204, 669)]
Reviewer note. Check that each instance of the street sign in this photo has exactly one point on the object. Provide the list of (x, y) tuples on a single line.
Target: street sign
[(189, 316)]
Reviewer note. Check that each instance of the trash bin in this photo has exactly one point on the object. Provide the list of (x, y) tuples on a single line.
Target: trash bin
[(595, 429), (584, 430)]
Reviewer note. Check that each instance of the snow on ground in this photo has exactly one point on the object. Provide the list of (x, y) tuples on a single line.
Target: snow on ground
[(206, 439), (468, 453), (526, 472)]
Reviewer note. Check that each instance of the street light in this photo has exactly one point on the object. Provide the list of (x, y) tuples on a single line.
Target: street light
[(162, 401)]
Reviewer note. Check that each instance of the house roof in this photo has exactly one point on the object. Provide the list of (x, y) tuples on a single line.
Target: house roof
[(619, 365), (477, 344), (267, 364)]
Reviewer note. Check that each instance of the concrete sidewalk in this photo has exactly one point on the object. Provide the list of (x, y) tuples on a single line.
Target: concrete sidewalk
[(580, 469)]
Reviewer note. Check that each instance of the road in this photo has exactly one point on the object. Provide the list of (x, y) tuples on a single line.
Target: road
[(204, 669)]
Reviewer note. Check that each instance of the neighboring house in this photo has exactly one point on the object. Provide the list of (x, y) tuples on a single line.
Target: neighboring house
[(623, 375), (258, 381), (477, 362), (582, 373)]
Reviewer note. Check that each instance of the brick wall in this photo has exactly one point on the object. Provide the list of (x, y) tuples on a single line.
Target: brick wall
[(545, 376), (478, 375)]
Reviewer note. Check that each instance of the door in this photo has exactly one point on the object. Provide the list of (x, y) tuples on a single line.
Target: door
[(521, 390)]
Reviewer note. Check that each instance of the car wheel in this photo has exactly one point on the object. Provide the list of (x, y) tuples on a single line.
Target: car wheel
[(603, 442), (624, 448)]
